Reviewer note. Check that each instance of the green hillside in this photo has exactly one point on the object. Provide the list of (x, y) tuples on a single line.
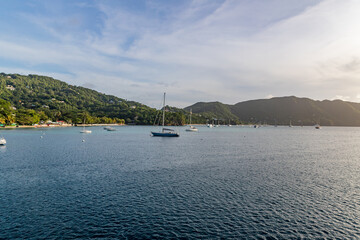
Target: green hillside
[(50, 99), (283, 110), (31, 99), (212, 110)]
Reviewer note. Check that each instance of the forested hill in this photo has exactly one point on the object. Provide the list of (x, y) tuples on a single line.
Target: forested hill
[(213, 110), (283, 110), (31, 99), (56, 100)]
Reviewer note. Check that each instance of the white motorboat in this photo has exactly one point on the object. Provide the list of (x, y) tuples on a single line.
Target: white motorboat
[(2, 141), (109, 128), (85, 131)]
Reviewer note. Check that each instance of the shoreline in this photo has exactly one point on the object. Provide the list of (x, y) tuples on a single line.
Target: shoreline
[(115, 124), (62, 125)]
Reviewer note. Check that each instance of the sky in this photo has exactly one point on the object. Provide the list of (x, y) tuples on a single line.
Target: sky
[(194, 50)]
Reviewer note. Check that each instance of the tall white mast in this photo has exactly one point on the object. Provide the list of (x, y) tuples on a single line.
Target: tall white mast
[(163, 122), (190, 115)]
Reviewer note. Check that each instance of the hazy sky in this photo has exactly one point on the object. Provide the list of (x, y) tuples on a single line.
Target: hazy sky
[(200, 50)]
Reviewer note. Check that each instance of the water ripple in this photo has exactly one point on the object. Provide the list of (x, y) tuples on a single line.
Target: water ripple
[(277, 184)]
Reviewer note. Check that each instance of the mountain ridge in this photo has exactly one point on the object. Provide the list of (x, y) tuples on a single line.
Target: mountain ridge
[(37, 98), (286, 110)]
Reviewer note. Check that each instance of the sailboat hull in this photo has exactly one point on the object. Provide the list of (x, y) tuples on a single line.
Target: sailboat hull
[(191, 130), (85, 131), (164, 134)]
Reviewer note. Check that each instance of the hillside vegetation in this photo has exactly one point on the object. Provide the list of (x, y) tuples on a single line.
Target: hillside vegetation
[(30, 99), (283, 110)]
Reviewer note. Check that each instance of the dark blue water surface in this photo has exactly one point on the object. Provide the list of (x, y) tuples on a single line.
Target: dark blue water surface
[(226, 182)]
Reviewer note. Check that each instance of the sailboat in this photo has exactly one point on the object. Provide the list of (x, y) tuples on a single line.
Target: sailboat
[(109, 129), (229, 125), (2, 141), (191, 128), (165, 132), (84, 130), (217, 125)]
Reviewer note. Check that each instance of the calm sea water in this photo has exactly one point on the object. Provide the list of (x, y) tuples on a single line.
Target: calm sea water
[(226, 182)]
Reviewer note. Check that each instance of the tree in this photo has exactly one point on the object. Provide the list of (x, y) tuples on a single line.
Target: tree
[(43, 116), (27, 117), (61, 101), (6, 112)]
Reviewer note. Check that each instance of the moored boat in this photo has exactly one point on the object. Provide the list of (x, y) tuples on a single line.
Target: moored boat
[(109, 128), (191, 128), (165, 132), (85, 130)]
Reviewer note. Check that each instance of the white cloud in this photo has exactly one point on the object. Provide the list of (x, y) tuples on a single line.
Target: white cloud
[(340, 97), (208, 50)]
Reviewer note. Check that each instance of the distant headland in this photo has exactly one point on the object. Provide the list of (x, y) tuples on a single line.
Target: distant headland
[(33, 99)]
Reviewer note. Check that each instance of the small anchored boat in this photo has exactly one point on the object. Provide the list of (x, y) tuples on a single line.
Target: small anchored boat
[(191, 128), (85, 130), (109, 129), (165, 132)]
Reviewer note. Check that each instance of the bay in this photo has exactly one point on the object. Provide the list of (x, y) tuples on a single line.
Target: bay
[(226, 182)]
